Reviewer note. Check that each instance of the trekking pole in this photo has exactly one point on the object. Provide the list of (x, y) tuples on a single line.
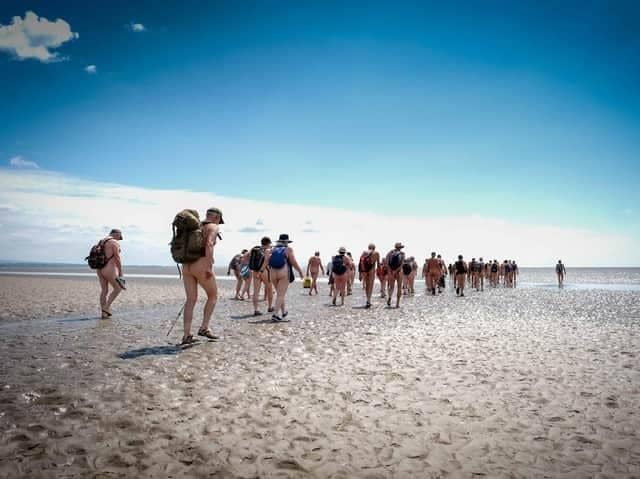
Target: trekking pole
[(176, 320)]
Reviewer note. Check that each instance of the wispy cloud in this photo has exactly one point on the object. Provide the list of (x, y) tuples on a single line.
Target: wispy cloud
[(137, 27), (257, 228), (46, 207), (20, 162), (34, 37), (91, 69)]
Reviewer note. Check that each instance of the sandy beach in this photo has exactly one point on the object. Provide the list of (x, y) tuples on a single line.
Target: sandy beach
[(531, 382)]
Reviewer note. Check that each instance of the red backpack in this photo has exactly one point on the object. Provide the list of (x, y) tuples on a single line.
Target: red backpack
[(365, 263)]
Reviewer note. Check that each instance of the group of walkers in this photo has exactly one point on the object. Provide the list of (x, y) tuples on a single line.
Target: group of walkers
[(269, 268)]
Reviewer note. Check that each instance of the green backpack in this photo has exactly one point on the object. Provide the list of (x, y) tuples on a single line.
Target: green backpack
[(187, 244)]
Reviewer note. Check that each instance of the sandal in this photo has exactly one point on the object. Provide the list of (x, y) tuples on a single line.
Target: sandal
[(257, 313), (106, 314), (188, 340), (271, 310), (207, 333), (284, 315), (275, 318)]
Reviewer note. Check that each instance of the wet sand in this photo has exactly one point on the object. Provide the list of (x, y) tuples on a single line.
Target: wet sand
[(507, 383)]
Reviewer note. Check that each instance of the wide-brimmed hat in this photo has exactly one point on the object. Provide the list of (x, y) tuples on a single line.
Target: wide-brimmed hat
[(284, 238), (216, 211), (398, 245), (342, 250)]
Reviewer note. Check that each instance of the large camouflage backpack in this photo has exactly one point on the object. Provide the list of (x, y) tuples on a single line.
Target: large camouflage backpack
[(97, 258), (187, 244)]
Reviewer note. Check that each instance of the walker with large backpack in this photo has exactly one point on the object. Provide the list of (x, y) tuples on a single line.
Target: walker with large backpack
[(187, 244)]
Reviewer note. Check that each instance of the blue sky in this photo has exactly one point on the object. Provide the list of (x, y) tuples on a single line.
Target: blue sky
[(528, 112)]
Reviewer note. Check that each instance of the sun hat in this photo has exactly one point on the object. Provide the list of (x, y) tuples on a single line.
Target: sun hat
[(342, 250), (216, 211), (284, 238)]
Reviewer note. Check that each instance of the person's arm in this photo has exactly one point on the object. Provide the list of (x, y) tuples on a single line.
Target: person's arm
[(116, 257), (308, 265), (292, 260), (321, 267), (229, 268), (209, 242)]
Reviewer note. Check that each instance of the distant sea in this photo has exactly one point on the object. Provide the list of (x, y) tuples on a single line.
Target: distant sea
[(578, 278)]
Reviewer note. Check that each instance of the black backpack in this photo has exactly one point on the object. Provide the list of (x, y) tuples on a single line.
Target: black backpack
[(407, 268), (337, 266), (256, 258), (395, 260), (187, 244), (97, 258)]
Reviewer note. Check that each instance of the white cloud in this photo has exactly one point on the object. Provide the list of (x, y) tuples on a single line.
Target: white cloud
[(19, 162), (138, 27), (34, 37), (50, 206), (91, 69)]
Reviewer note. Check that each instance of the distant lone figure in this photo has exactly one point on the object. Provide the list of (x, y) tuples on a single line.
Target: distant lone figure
[(561, 273), (314, 267), (111, 272)]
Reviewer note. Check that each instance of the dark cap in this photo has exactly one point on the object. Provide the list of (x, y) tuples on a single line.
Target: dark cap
[(216, 211)]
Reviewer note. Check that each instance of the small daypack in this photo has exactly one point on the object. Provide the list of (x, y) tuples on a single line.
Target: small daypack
[(256, 258), (245, 271), (365, 262), (395, 260), (97, 258), (337, 265), (278, 257), (187, 244), (407, 268)]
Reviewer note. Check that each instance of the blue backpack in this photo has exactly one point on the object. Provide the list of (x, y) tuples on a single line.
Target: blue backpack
[(278, 257)]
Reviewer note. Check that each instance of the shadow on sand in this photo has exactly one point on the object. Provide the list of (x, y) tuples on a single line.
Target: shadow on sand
[(268, 321), (76, 320), (241, 316), (167, 350)]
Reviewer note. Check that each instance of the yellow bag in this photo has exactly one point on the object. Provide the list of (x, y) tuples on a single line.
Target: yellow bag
[(306, 283)]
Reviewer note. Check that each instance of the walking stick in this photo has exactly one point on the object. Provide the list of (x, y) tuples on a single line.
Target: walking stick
[(176, 320)]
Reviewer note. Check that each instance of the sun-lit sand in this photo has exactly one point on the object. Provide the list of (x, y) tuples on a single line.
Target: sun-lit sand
[(532, 382)]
